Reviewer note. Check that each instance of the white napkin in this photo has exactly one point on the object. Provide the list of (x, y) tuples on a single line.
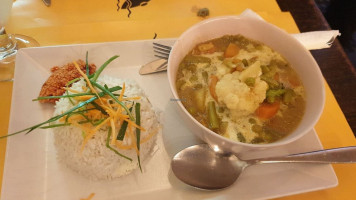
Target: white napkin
[(310, 40)]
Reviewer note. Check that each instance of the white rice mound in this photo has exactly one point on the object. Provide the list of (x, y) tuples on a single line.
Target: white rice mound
[(96, 161)]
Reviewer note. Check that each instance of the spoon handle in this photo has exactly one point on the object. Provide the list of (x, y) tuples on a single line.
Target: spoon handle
[(337, 155)]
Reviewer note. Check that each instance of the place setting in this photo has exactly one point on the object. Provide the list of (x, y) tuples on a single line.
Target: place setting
[(226, 109)]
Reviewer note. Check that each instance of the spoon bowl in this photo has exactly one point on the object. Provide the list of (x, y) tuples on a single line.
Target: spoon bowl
[(194, 166), (202, 167)]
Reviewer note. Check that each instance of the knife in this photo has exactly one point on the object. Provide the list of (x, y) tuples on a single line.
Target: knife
[(47, 2), (154, 66)]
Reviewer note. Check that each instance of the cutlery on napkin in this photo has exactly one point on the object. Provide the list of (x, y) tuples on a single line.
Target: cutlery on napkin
[(310, 40)]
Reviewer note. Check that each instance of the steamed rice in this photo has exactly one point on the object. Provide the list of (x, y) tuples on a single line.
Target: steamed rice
[(96, 161)]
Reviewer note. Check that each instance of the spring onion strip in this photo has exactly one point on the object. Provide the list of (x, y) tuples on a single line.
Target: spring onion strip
[(98, 72), (70, 99), (98, 122), (138, 131), (99, 108), (77, 79), (76, 95), (81, 104), (122, 131), (114, 97), (85, 117), (112, 149), (55, 125)]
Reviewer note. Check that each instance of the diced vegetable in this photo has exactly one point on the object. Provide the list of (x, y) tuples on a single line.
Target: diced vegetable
[(199, 97), (207, 48), (244, 61), (273, 84), (267, 110), (223, 127), (240, 137), (212, 116), (288, 96), (250, 81), (231, 50), (272, 94)]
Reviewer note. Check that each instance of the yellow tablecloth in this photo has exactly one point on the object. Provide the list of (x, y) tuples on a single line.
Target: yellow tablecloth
[(89, 21)]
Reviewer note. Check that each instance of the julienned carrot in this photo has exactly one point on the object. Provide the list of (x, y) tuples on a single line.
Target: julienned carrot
[(231, 50), (213, 81), (267, 110)]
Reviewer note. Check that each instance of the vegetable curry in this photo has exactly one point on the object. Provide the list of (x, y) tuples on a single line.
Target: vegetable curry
[(241, 89)]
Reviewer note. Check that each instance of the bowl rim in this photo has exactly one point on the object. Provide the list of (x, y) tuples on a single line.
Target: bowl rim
[(276, 29)]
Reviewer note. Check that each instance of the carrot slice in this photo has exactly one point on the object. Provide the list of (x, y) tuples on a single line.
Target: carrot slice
[(213, 81), (231, 50), (267, 110)]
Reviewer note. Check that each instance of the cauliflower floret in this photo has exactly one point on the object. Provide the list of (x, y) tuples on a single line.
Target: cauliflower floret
[(238, 97)]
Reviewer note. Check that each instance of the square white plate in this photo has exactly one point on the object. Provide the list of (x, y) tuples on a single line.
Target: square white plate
[(33, 173)]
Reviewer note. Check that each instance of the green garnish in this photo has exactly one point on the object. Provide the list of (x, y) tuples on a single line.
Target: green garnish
[(112, 149), (82, 110), (138, 131), (123, 128), (81, 104), (98, 72), (55, 125), (108, 92), (99, 108), (113, 89)]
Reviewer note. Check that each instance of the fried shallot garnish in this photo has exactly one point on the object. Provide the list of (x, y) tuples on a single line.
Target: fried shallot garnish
[(54, 86)]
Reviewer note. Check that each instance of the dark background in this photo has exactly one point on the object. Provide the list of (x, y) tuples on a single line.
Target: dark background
[(341, 15)]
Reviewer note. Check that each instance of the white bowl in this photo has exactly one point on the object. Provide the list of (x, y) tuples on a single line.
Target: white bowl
[(299, 57)]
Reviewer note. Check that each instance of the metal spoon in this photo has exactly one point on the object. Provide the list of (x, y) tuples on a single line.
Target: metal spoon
[(201, 167)]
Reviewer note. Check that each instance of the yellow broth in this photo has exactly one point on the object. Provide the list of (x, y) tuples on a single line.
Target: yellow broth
[(241, 89)]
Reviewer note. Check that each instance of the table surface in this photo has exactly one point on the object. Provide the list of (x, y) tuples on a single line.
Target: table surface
[(58, 25)]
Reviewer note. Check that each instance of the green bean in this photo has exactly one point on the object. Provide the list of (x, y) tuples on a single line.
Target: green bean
[(271, 82), (212, 116), (272, 94)]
